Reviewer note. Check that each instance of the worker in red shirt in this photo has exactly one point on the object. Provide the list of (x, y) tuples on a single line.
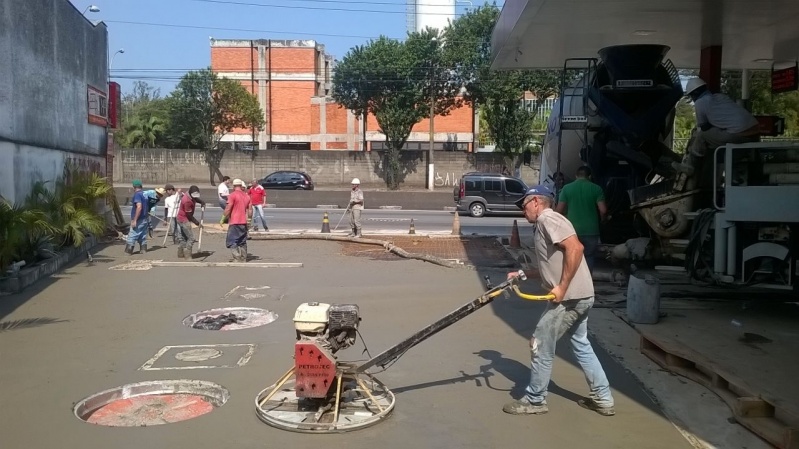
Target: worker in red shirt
[(185, 217), (238, 209), (258, 200)]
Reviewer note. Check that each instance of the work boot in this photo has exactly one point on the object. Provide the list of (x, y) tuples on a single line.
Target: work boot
[(235, 254), (150, 232), (590, 404), (358, 233), (243, 253), (143, 248), (180, 252), (353, 233), (129, 249), (524, 407), (187, 253)]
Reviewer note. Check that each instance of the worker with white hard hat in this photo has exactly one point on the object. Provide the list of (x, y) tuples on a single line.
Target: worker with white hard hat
[(719, 120), (356, 207)]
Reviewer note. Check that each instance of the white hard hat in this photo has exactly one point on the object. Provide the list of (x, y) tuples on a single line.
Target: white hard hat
[(693, 84), (238, 182), (356, 181)]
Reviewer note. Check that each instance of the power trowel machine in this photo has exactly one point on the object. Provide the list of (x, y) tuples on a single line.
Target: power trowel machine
[(322, 394)]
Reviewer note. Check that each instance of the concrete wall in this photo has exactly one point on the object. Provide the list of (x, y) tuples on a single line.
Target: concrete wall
[(49, 55), (327, 168)]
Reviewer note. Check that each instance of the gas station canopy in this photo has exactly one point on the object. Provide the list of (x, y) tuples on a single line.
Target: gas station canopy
[(753, 34)]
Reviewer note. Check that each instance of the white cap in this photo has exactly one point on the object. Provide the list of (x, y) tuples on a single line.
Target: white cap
[(693, 84), (238, 182), (356, 181)]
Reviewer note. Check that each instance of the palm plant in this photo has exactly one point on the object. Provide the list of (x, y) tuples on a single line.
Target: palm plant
[(20, 229), (144, 132)]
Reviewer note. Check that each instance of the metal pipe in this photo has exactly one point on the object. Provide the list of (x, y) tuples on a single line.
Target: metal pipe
[(720, 244), (732, 249)]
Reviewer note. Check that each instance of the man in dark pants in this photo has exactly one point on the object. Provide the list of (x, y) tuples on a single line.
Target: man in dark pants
[(583, 203), (238, 209), (186, 206)]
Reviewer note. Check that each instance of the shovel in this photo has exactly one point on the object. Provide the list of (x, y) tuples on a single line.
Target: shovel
[(342, 217), (200, 241)]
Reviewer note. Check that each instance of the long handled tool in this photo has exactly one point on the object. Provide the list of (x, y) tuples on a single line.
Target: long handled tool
[(200, 241), (172, 218), (342, 217)]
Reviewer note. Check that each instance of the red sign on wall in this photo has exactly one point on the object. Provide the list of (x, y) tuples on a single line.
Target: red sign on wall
[(784, 80)]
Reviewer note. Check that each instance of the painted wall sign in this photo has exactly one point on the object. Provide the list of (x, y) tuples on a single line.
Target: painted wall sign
[(97, 104)]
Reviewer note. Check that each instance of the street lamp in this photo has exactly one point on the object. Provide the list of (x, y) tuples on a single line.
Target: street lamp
[(121, 50), (91, 8)]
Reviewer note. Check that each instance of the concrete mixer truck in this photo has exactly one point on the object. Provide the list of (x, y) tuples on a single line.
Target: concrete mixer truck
[(728, 221)]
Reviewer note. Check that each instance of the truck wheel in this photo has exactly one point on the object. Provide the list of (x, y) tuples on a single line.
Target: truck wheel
[(477, 210)]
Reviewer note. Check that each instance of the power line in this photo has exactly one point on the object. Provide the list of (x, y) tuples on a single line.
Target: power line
[(319, 8), (243, 30)]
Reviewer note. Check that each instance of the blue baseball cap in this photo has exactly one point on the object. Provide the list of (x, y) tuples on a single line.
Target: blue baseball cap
[(539, 190)]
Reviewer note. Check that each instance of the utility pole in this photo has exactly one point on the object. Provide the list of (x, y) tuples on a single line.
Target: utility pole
[(430, 155)]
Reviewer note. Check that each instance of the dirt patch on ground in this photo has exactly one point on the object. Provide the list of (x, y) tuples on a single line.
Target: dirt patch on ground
[(477, 251)]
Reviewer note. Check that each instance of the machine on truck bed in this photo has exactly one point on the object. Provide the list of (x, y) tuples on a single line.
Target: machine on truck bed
[(733, 221)]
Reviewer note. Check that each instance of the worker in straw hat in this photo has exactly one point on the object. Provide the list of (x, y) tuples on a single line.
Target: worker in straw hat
[(356, 207), (237, 212)]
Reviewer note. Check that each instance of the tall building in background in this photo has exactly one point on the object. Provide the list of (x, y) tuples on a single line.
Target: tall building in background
[(422, 14)]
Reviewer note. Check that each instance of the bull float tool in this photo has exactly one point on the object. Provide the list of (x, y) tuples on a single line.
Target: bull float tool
[(322, 394)]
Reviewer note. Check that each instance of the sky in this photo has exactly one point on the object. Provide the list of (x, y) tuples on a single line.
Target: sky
[(160, 55)]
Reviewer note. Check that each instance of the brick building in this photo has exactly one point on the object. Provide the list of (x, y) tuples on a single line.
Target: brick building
[(292, 79)]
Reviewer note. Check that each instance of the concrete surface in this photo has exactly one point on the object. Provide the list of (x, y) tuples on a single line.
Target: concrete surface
[(91, 328)]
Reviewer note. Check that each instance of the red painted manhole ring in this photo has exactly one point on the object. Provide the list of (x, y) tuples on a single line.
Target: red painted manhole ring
[(151, 403)]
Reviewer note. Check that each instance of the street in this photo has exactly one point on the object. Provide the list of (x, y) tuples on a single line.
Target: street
[(384, 220)]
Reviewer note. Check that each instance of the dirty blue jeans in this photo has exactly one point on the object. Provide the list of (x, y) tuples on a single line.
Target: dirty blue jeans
[(568, 318), (590, 244), (139, 233)]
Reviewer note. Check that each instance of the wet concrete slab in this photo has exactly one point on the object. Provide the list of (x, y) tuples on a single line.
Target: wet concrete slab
[(90, 329)]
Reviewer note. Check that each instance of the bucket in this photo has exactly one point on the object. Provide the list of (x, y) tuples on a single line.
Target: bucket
[(643, 299)]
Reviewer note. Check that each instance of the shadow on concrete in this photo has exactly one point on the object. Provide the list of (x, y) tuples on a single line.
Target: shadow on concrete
[(27, 323)]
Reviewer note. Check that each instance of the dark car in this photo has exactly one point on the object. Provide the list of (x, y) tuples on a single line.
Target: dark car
[(482, 193), (288, 180)]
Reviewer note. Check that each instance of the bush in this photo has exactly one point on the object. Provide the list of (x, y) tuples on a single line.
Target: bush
[(50, 219)]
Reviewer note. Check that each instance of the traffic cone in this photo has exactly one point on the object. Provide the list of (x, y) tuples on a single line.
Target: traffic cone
[(456, 225), (413, 228), (514, 236), (325, 224)]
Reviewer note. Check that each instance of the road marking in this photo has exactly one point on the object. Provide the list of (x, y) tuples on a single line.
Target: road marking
[(390, 219), (149, 364)]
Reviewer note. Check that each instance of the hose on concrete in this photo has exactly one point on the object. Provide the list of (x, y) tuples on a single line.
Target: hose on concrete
[(385, 244)]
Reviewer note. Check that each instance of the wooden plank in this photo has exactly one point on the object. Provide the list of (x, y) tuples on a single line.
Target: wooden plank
[(158, 263)]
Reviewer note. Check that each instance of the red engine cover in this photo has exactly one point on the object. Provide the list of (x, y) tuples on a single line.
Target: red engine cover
[(314, 369)]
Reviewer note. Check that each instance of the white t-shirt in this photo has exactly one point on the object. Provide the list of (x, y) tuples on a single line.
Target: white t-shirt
[(720, 111), (223, 192), (170, 203)]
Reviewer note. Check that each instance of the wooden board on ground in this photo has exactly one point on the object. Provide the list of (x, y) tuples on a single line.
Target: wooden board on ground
[(765, 417)]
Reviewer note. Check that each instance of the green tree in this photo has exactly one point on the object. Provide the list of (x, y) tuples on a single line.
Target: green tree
[(498, 93), (145, 118), (396, 82), (144, 130), (204, 108)]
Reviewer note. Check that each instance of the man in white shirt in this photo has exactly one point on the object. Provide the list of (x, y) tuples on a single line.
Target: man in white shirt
[(222, 193), (719, 121), (171, 210)]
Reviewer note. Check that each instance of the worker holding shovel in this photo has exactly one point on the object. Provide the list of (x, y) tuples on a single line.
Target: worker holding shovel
[(187, 204)]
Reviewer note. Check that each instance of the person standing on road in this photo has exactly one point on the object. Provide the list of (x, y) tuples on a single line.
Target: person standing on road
[(139, 220), (258, 199), (185, 217), (356, 207), (583, 203), (171, 211), (222, 193), (237, 211), (564, 273), (153, 197)]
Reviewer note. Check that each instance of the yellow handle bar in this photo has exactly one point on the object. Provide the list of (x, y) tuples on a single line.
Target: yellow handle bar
[(547, 297)]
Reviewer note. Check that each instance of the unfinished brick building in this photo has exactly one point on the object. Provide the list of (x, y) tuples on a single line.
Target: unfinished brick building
[(292, 79)]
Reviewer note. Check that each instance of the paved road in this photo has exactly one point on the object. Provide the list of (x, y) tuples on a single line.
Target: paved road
[(421, 200), (90, 328), (379, 219)]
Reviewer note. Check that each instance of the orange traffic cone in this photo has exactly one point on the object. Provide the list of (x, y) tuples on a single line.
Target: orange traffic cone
[(413, 228), (325, 224), (514, 236)]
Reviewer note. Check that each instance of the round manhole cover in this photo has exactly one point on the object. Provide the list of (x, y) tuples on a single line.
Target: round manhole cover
[(151, 403), (198, 355), (230, 318)]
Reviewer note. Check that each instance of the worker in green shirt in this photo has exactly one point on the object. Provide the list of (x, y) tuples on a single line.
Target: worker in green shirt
[(583, 203)]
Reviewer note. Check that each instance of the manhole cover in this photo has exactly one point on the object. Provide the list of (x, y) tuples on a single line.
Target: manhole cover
[(198, 355), (151, 403), (230, 318)]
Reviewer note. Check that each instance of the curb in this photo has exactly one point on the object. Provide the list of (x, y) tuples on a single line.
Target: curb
[(450, 208), (391, 207), (327, 206), (30, 276)]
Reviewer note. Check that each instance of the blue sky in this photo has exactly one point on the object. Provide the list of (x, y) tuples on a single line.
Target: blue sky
[(159, 55)]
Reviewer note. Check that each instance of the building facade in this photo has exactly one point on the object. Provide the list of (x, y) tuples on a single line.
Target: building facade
[(53, 94), (293, 81)]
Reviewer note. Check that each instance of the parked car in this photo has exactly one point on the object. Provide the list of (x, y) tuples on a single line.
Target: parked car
[(287, 180), (482, 193)]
